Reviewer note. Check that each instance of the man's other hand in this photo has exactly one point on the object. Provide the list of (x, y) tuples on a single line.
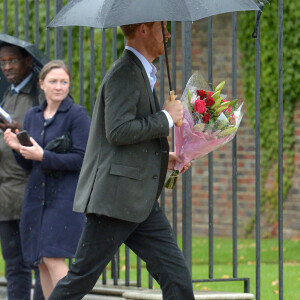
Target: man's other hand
[(173, 158)]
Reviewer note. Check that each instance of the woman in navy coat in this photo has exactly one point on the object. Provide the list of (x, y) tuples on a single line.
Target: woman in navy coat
[(50, 230)]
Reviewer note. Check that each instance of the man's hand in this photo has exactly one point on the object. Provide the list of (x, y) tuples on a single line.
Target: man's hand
[(175, 109), (173, 158), (13, 125)]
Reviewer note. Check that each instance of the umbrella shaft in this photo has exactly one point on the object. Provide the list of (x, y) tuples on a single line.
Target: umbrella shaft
[(166, 55)]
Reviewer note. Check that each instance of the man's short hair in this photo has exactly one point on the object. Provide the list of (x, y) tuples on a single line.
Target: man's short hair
[(23, 52), (129, 30)]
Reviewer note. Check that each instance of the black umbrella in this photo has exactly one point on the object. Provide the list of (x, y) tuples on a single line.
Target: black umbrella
[(38, 57), (3, 85), (113, 13)]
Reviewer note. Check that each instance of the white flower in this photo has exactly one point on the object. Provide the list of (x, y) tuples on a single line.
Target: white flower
[(194, 98)]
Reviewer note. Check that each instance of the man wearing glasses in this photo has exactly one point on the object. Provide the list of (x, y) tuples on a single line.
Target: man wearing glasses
[(21, 94)]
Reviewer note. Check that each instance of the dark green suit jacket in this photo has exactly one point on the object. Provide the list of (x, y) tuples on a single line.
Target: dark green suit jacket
[(127, 153)]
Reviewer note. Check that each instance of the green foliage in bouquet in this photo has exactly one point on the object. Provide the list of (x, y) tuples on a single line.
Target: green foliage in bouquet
[(211, 112), (219, 106), (269, 92)]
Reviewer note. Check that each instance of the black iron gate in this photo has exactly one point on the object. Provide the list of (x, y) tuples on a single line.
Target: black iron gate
[(88, 60)]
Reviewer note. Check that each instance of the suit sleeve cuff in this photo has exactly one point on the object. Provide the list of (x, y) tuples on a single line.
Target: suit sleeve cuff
[(170, 120)]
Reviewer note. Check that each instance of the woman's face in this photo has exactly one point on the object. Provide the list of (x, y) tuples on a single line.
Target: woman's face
[(56, 85)]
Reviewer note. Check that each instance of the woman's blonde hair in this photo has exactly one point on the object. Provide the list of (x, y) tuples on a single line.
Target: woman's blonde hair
[(54, 64)]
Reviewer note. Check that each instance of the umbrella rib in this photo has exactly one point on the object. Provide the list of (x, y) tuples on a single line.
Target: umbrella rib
[(188, 10)]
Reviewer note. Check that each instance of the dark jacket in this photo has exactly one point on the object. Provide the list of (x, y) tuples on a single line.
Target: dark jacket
[(127, 153), (13, 178), (48, 225)]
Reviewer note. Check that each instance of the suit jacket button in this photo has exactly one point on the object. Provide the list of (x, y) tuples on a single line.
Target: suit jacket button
[(155, 176), (157, 153)]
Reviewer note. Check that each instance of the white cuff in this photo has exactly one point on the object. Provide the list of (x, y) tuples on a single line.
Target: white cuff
[(170, 120)]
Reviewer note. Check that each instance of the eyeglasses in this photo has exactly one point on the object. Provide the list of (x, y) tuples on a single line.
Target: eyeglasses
[(12, 62)]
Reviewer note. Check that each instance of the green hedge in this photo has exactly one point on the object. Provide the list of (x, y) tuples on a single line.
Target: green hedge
[(269, 94)]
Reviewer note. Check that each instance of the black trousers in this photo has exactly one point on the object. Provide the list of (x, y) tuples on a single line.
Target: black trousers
[(17, 272), (152, 240)]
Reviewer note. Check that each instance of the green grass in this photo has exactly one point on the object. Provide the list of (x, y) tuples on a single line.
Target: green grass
[(269, 271), (246, 254), (222, 267)]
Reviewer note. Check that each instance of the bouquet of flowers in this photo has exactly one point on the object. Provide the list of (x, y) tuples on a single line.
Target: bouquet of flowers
[(209, 122)]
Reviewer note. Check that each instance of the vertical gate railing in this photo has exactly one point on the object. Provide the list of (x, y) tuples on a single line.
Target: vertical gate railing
[(57, 50), (234, 151), (186, 49), (257, 159), (280, 146)]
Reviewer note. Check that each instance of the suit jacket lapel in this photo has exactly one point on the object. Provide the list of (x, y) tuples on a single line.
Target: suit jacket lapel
[(133, 57), (157, 105), (151, 96)]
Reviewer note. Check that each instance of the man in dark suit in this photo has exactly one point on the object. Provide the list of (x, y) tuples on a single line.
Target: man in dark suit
[(21, 94), (123, 173)]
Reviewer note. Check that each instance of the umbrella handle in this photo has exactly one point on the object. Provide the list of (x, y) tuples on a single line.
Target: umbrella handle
[(172, 98)]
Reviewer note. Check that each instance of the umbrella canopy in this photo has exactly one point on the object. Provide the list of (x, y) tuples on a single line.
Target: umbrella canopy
[(39, 58), (113, 13), (3, 85)]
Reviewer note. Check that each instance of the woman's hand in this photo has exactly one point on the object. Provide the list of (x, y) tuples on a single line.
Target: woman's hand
[(12, 140), (34, 152), (173, 158)]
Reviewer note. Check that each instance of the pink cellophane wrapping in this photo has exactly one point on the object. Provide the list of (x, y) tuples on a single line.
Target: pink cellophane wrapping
[(191, 143)]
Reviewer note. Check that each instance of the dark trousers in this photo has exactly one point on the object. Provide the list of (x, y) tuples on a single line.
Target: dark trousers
[(18, 274), (152, 240)]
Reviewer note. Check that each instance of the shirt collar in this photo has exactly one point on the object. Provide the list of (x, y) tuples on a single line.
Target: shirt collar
[(149, 68), (19, 87)]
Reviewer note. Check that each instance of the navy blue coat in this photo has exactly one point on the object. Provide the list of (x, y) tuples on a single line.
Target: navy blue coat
[(49, 227)]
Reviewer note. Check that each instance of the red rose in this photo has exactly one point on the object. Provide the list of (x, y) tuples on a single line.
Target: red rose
[(206, 118), (209, 101), (202, 94), (210, 93), (200, 106)]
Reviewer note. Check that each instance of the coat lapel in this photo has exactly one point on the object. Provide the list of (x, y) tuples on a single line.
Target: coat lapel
[(64, 106), (133, 57), (157, 105)]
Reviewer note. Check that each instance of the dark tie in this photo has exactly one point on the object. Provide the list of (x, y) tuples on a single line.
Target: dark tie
[(13, 91)]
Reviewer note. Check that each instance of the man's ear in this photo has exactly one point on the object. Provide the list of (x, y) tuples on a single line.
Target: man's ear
[(142, 29)]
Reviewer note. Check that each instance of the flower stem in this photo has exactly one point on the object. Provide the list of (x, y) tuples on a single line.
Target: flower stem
[(171, 182)]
